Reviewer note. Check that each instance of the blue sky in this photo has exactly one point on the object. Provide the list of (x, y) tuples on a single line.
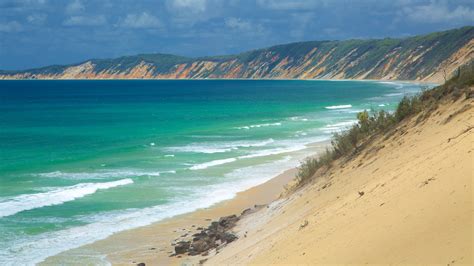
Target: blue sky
[(43, 32)]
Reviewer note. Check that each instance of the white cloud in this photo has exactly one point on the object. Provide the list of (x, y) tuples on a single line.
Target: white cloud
[(33, 2), (195, 6), (85, 21), (12, 26), (75, 7), (239, 24), (438, 12), (186, 13), (244, 26), (36, 19), (143, 20), (290, 4)]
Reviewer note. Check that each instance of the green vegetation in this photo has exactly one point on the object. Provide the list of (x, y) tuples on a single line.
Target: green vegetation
[(350, 142), (162, 62), (375, 57)]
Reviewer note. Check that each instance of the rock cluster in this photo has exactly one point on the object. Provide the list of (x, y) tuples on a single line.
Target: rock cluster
[(217, 234)]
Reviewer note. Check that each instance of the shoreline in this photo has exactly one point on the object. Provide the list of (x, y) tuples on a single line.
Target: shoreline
[(405, 198), (152, 244), (105, 226), (247, 79)]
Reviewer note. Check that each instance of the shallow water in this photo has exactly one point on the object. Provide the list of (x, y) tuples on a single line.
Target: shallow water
[(80, 160)]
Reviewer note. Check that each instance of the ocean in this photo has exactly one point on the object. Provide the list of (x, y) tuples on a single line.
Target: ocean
[(81, 160)]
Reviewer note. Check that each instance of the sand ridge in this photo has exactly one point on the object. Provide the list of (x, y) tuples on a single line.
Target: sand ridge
[(407, 198)]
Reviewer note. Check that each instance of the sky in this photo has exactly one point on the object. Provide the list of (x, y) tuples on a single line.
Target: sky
[(36, 33)]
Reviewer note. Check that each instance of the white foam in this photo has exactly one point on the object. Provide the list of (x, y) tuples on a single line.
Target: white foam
[(397, 85), (298, 118), (11, 206), (212, 163), (100, 174), (331, 128), (287, 146), (35, 249), (393, 94), (203, 149), (260, 125), (300, 133), (169, 172), (275, 151), (219, 147), (344, 106), (169, 155), (351, 111)]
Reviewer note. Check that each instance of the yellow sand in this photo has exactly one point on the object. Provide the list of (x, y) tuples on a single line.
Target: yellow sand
[(416, 207), (152, 244)]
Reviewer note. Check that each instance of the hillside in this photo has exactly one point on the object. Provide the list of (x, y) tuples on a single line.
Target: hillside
[(431, 57), (402, 196)]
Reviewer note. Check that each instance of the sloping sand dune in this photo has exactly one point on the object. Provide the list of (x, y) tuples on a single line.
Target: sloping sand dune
[(406, 198)]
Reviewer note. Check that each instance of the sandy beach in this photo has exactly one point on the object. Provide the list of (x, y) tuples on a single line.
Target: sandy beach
[(205, 132), (406, 199), (153, 244)]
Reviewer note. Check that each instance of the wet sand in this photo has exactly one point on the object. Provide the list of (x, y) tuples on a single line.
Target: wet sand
[(406, 198), (152, 244)]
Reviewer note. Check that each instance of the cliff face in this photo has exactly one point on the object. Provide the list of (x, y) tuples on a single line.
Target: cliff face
[(431, 57)]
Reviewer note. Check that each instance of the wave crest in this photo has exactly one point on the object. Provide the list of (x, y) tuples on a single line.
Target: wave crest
[(260, 125), (96, 175), (343, 106), (57, 196), (212, 163), (219, 147)]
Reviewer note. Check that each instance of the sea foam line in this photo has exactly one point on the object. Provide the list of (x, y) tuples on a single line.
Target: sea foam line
[(35, 249), (330, 128), (288, 146), (212, 163), (343, 106), (261, 153), (219, 147), (393, 94), (101, 174), (260, 125), (57, 196)]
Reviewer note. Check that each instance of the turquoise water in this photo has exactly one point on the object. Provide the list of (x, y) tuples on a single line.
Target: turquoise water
[(80, 160)]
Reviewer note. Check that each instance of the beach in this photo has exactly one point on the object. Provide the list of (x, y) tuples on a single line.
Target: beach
[(405, 199), (153, 244), (204, 132), (151, 150)]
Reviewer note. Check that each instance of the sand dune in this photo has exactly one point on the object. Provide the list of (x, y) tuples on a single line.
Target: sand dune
[(406, 198)]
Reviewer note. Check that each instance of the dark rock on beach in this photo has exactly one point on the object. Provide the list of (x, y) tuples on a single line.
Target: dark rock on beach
[(228, 237), (228, 221), (182, 247), (201, 245), (246, 211), (215, 235)]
